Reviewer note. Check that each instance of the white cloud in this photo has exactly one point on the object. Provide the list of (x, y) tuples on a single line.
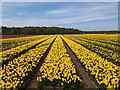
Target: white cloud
[(78, 15), (60, 11), (85, 11), (65, 11), (86, 14), (44, 21), (20, 13)]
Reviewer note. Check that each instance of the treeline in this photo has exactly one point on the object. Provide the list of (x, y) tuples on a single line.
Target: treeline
[(37, 30), (48, 30), (101, 32)]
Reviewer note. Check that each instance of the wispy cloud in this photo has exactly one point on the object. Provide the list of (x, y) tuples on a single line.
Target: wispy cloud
[(52, 22), (52, 14), (60, 11), (20, 13)]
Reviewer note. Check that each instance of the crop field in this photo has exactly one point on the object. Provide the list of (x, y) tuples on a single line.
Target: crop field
[(61, 62), (13, 36)]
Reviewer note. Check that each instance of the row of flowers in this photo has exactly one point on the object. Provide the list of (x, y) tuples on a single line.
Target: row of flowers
[(58, 69), (14, 42), (102, 51), (19, 69), (10, 54), (112, 47), (105, 73), (106, 38)]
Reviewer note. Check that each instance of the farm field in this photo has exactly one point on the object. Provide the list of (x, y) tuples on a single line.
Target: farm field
[(14, 36), (61, 61)]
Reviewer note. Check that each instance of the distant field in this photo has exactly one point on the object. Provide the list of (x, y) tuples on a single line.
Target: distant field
[(61, 61), (13, 36)]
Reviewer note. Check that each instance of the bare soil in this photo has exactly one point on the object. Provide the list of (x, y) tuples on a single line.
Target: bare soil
[(86, 79), (88, 83), (31, 83)]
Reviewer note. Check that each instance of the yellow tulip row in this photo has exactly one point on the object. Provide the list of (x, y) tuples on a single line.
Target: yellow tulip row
[(0, 76), (111, 47), (105, 73), (15, 72), (103, 52), (108, 38), (112, 38), (14, 42), (105, 38), (10, 54), (58, 70)]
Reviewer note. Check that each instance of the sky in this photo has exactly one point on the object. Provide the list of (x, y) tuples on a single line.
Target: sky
[(60, 0), (81, 15)]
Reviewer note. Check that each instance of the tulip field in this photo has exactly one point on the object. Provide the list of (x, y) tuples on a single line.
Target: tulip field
[(69, 61)]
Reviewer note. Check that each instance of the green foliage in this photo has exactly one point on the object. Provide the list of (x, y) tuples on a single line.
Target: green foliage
[(38, 30)]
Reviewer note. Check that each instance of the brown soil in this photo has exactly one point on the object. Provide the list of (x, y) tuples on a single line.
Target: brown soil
[(31, 84), (88, 83), (86, 79)]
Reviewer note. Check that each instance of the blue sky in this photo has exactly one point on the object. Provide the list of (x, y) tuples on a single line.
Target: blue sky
[(59, 0), (81, 15)]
